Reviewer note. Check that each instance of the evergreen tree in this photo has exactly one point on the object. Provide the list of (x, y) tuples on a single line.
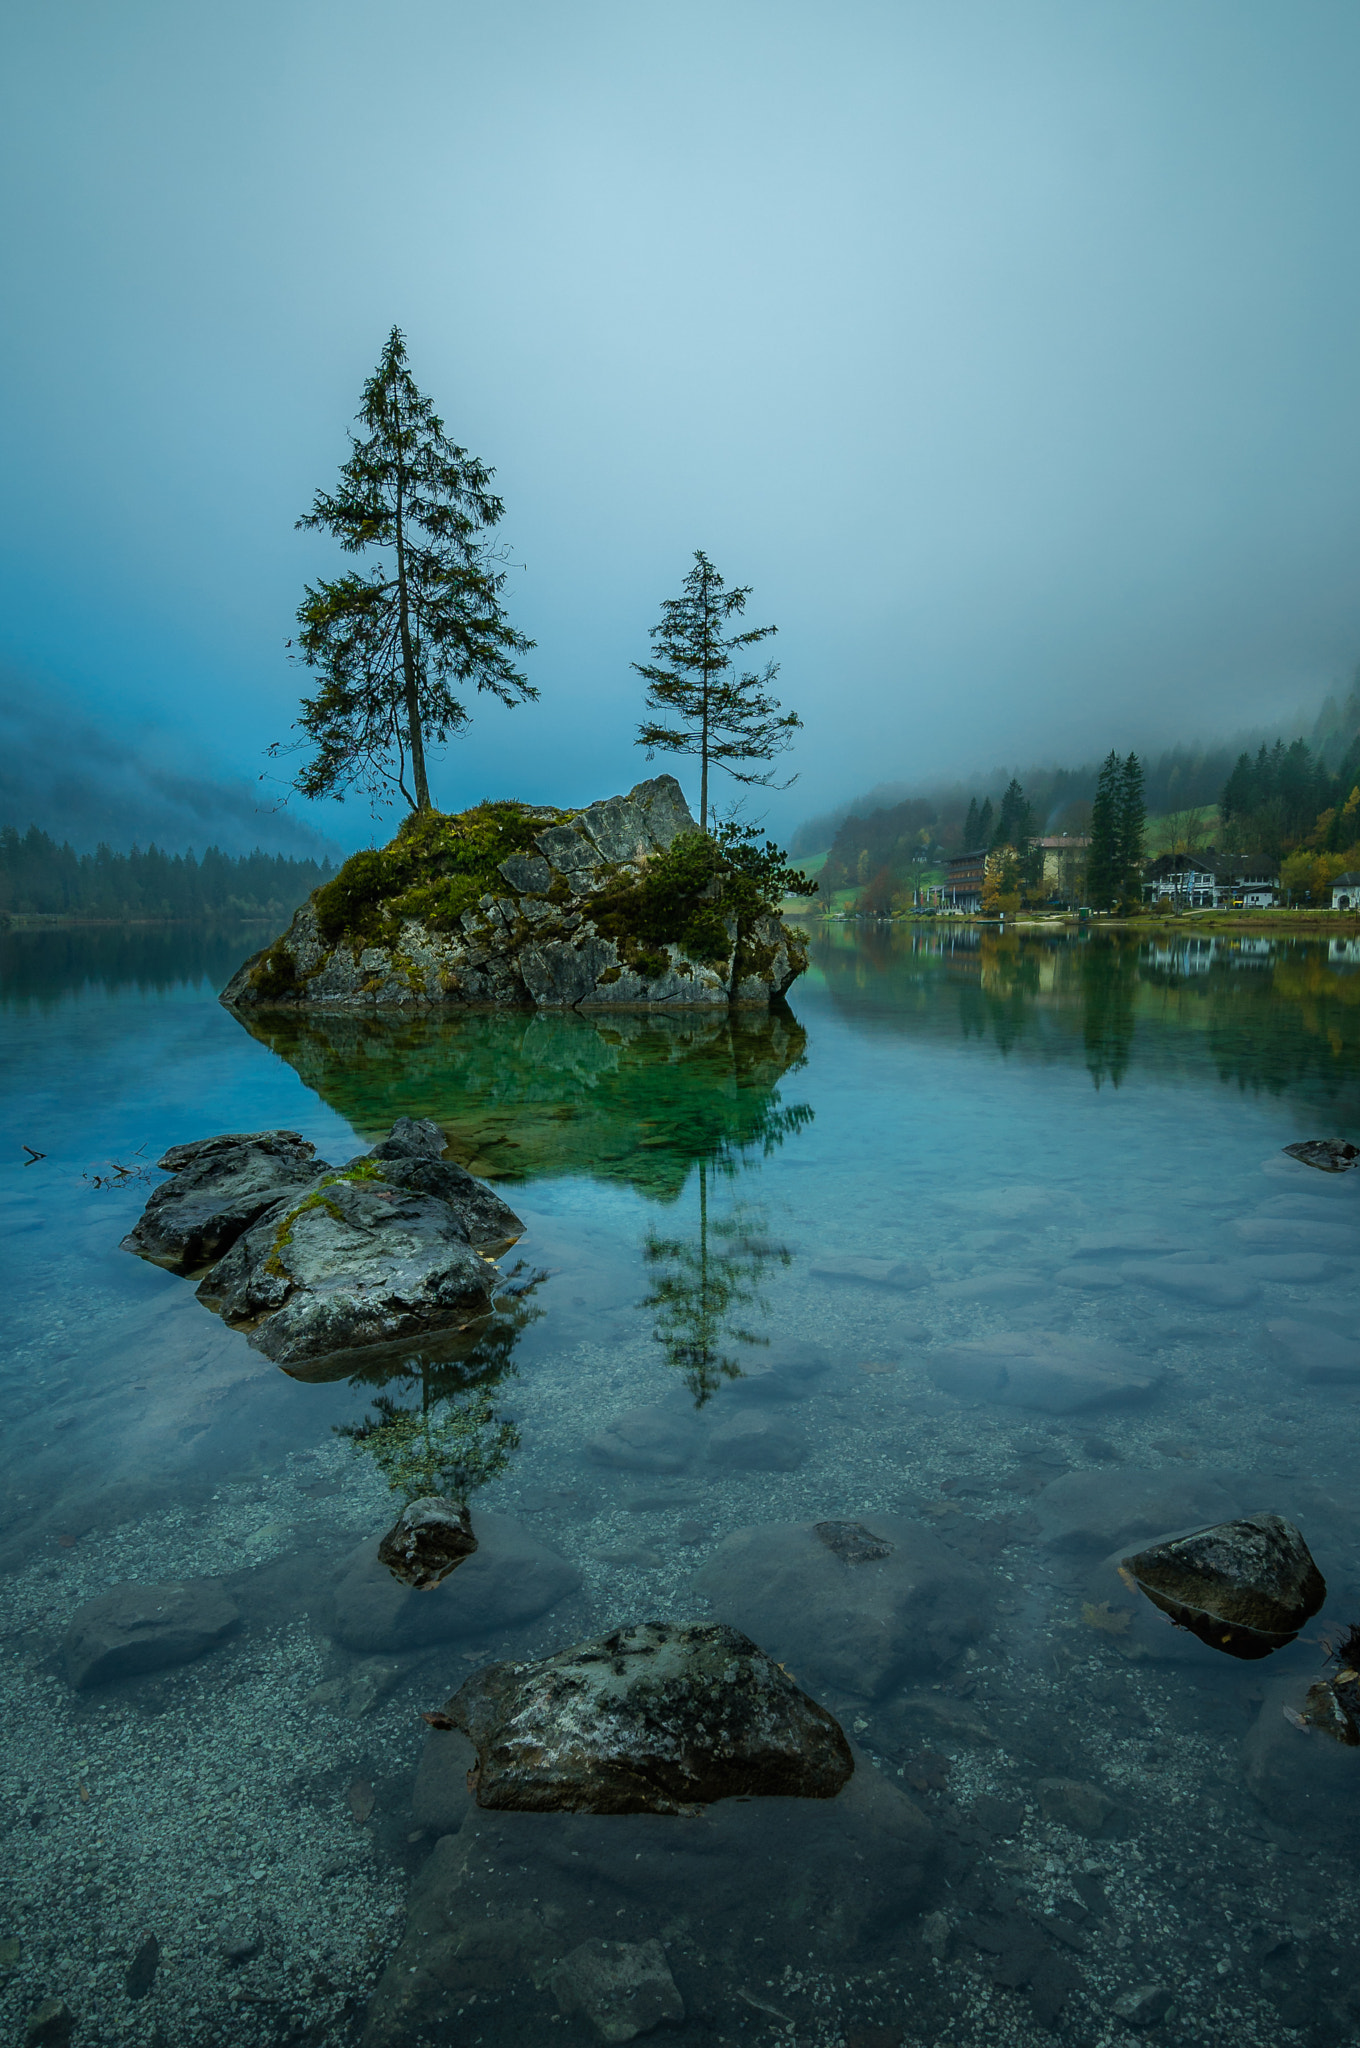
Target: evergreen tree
[(970, 829), (984, 825), (394, 640), (1014, 825), (1103, 874), (1131, 828), (726, 717)]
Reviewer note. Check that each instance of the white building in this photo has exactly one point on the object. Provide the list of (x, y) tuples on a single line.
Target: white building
[(1346, 891)]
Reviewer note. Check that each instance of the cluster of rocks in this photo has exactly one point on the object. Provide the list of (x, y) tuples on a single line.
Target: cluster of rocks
[(313, 1260), (531, 940)]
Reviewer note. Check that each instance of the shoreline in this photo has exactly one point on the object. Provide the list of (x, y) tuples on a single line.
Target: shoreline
[(1255, 924)]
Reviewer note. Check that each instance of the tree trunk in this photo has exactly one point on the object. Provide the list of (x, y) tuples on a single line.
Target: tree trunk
[(408, 660)]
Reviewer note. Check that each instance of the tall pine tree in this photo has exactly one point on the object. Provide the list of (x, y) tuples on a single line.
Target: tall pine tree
[(970, 828), (422, 618), (1103, 873)]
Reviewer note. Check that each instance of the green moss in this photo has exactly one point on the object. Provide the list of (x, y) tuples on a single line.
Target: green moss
[(276, 975), (437, 867), (362, 1169), (611, 974), (673, 903)]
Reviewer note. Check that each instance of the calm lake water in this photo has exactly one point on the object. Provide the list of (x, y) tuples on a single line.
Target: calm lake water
[(987, 1247)]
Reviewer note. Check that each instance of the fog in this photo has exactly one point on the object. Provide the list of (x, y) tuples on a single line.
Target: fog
[(1007, 352)]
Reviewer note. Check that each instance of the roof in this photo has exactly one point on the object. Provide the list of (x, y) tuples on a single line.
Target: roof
[(1350, 880), (1062, 839)]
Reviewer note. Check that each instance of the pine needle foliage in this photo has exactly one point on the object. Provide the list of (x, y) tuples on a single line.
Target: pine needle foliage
[(708, 706), (396, 640)]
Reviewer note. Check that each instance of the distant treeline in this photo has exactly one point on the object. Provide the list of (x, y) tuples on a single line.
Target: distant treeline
[(1270, 800), (40, 878)]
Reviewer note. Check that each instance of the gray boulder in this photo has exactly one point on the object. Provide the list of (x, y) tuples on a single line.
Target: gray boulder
[(1202, 1285), (441, 1798), (787, 1371), (1331, 1155), (1043, 1371), (534, 942), (133, 1629), (660, 1438), (220, 1186), (651, 1719), (512, 1579), (349, 1265), (861, 1619), (624, 1988), (1244, 1587), (753, 1441)]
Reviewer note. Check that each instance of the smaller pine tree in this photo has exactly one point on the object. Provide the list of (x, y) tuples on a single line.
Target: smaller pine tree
[(984, 825), (970, 829), (1132, 826)]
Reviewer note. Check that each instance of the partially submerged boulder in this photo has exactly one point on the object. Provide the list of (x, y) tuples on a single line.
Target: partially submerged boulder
[(651, 1719), (1330, 1155), (1244, 1587), (220, 1186), (320, 1261), (514, 904), (429, 1539), (511, 1578)]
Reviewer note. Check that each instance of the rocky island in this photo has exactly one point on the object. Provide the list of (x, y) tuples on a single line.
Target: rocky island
[(509, 905)]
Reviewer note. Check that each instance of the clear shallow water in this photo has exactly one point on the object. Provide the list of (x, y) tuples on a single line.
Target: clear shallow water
[(1073, 1148)]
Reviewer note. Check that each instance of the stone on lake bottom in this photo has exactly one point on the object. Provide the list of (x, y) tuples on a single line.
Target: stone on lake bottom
[(905, 1275), (133, 1629), (652, 1719), (624, 1988), (512, 1578), (507, 1896), (662, 1438), (1040, 1370), (1298, 1775), (1319, 1357), (1075, 1803), (861, 1625), (755, 1442), (1244, 1587), (1144, 2006), (1203, 1286), (1094, 1512), (428, 1540), (50, 2025), (141, 1973)]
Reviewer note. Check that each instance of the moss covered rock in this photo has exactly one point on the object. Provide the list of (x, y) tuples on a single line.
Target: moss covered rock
[(508, 904)]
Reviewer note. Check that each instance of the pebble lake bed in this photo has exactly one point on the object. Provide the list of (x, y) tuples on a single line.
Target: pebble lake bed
[(1032, 1286)]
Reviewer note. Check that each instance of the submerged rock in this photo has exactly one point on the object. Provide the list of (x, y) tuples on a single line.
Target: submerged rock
[(510, 1579), (220, 1187), (1318, 1356), (1332, 1155), (1244, 1587), (516, 905), (624, 1988), (652, 1719), (429, 1539), (498, 1903), (860, 1610), (1095, 1512), (1043, 1371), (1295, 1773), (133, 1628)]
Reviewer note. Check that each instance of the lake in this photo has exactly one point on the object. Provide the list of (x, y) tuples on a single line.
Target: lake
[(880, 1328)]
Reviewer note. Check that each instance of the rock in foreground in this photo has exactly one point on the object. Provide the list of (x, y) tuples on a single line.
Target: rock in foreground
[(318, 1261), (1244, 1587), (132, 1629), (624, 1988), (512, 1578), (513, 905), (429, 1539), (651, 1719), (220, 1187)]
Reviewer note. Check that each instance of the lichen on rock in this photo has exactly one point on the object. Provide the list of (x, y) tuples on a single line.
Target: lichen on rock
[(624, 903)]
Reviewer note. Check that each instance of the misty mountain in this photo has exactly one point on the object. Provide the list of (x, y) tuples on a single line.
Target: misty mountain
[(74, 779)]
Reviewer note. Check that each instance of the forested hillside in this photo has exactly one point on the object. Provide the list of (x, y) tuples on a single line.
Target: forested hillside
[(40, 877)]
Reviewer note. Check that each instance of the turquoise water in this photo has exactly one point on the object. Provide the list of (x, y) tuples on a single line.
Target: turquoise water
[(813, 1267)]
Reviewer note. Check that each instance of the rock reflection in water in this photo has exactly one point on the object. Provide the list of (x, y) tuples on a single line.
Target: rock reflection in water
[(636, 1098)]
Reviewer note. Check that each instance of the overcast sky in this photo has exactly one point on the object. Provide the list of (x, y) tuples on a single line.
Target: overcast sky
[(1010, 351)]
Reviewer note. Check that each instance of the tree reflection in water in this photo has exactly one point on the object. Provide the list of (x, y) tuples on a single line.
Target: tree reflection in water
[(701, 1285)]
